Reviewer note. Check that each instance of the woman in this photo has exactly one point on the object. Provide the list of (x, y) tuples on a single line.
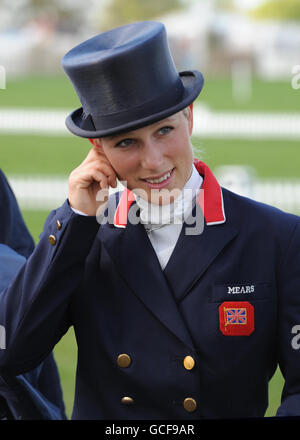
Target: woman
[(169, 323)]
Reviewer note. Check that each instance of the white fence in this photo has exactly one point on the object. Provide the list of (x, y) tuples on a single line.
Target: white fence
[(246, 125), (40, 192), (206, 123)]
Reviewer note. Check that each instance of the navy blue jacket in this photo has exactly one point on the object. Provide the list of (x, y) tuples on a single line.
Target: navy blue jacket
[(228, 297), (13, 230), (37, 394)]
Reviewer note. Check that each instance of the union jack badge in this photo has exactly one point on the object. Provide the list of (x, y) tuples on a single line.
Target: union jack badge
[(236, 318)]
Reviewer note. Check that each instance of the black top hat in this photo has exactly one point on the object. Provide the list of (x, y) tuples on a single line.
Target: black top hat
[(126, 79)]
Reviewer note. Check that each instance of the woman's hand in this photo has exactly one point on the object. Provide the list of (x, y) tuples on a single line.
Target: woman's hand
[(94, 174)]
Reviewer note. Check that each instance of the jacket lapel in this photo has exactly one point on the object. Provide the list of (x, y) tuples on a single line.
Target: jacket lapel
[(137, 263), (193, 254)]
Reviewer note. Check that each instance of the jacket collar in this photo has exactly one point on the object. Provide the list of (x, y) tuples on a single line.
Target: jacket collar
[(211, 200)]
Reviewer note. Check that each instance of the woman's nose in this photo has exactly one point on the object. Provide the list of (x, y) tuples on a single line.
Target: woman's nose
[(152, 155)]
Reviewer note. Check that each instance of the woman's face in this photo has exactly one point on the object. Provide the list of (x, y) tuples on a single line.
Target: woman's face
[(155, 159)]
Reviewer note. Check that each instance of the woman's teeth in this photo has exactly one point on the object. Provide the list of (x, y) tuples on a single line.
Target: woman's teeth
[(166, 176)]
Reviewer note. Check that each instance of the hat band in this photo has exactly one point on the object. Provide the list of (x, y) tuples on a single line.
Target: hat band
[(168, 99)]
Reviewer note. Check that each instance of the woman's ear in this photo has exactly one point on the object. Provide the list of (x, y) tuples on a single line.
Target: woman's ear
[(95, 142), (92, 141)]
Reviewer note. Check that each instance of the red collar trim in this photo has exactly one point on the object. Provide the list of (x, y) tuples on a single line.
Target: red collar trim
[(214, 213), (121, 214)]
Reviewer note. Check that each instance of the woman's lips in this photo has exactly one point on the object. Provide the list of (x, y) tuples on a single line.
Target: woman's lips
[(159, 182)]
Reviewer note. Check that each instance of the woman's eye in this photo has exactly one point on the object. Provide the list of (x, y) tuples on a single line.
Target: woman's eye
[(124, 143), (165, 130)]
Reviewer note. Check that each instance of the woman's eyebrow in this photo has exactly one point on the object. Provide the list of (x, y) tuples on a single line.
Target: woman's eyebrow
[(132, 133), (119, 135)]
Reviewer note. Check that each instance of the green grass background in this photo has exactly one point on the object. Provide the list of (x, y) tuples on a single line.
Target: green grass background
[(38, 155)]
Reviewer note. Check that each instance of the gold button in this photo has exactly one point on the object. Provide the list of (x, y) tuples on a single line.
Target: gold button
[(58, 225), (124, 360), (52, 239), (188, 363), (189, 404), (127, 400)]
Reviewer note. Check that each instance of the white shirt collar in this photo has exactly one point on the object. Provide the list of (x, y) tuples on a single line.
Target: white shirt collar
[(175, 212)]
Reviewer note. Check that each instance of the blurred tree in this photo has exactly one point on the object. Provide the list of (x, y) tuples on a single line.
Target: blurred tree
[(65, 14), (227, 5), (120, 12), (278, 10)]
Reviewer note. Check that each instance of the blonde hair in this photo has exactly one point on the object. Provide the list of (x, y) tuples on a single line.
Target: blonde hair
[(185, 111)]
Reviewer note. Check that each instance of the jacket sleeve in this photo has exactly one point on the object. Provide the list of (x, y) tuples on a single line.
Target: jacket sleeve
[(289, 326), (35, 308), (36, 395), (13, 230)]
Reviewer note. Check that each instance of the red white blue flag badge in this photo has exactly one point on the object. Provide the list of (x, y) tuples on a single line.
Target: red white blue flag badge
[(236, 318)]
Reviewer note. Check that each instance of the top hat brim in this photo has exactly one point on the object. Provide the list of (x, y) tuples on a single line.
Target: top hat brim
[(192, 82)]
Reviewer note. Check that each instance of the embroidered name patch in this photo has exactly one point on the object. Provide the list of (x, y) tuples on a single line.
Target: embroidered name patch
[(233, 290), (236, 318)]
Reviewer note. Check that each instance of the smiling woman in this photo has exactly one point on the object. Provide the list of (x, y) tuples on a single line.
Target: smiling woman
[(158, 156), (150, 293)]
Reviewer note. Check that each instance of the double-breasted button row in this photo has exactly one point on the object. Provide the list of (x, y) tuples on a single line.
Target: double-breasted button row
[(52, 239), (123, 361), (189, 404)]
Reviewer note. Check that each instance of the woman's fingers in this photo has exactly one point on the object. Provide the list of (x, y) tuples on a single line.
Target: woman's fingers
[(93, 174), (97, 156)]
